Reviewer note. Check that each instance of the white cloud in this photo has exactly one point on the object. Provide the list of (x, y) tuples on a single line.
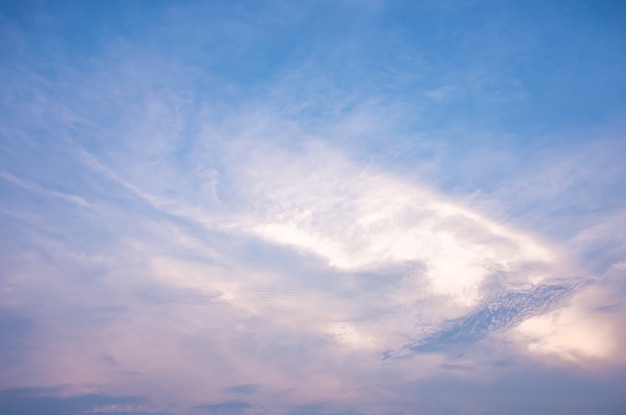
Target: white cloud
[(33, 187), (443, 93), (356, 219), (579, 332)]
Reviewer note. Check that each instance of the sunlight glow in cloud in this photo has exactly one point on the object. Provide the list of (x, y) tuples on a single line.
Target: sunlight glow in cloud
[(361, 220)]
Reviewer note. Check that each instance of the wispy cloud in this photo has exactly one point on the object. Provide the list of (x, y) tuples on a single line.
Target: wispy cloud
[(228, 211)]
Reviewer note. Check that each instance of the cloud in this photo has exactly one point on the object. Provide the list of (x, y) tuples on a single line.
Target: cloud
[(246, 389), (41, 400), (501, 313), (526, 389), (359, 219), (395, 263), (443, 93), (41, 190), (231, 407), (319, 409), (258, 237), (234, 286)]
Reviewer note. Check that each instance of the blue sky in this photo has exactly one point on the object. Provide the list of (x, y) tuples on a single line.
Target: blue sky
[(315, 207)]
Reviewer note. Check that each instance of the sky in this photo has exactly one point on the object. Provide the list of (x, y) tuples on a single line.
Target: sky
[(313, 207)]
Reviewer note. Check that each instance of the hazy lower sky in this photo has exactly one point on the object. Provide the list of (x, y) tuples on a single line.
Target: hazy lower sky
[(313, 207)]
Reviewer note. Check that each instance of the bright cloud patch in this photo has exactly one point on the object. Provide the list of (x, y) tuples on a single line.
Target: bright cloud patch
[(358, 219)]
